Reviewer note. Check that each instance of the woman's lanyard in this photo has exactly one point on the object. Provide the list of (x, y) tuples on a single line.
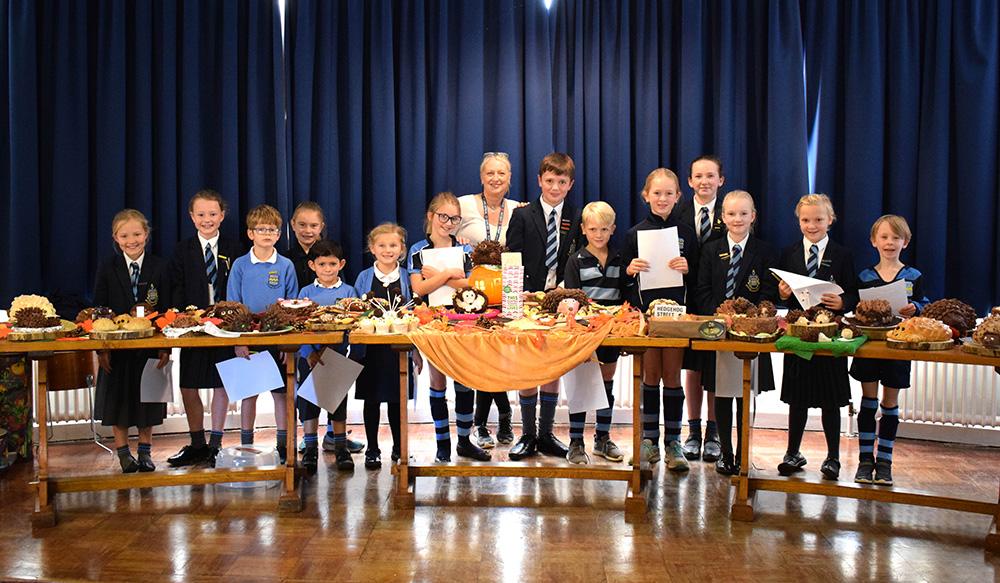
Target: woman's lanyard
[(486, 219)]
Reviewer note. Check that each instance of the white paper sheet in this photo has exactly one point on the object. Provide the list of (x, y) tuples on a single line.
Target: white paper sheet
[(808, 290), (658, 247), (328, 383), (894, 293), (156, 385), (213, 330), (244, 378), (443, 258), (729, 374), (584, 388)]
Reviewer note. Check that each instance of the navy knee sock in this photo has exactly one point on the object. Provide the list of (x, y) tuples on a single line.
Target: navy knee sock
[(465, 400), (604, 415), (887, 427), (547, 414), (528, 412), (673, 413), (439, 413), (866, 429), (651, 413)]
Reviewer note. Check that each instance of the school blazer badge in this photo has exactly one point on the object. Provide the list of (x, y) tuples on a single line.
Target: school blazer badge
[(753, 281), (272, 279), (152, 295)]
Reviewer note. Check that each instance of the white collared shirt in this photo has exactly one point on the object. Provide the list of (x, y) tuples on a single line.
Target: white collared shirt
[(336, 285), (550, 277), (128, 262), (711, 216), (742, 244), (387, 278), (214, 243), (272, 259), (822, 249)]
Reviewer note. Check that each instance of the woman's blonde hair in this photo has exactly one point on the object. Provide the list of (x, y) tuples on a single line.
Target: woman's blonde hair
[(125, 216), (820, 200)]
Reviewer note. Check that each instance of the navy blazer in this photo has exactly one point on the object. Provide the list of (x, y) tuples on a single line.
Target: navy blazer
[(527, 234), (754, 281), (837, 266), (187, 271), (686, 215), (113, 285)]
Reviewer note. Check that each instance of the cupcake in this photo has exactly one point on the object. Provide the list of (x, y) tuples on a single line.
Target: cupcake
[(412, 323), (366, 326), (399, 326), (381, 326)]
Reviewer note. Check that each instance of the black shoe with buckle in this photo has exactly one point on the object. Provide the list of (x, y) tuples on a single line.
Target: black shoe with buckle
[(310, 459), (373, 459), (345, 462), (830, 468), (188, 456), (792, 463), (525, 447)]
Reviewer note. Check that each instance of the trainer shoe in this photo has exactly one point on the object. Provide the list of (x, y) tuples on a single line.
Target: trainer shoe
[(505, 432), (676, 461), (649, 452), (577, 452), (481, 437), (865, 470), (883, 472), (604, 447), (353, 445)]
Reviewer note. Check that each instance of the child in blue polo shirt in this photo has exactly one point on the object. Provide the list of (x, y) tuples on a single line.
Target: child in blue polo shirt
[(890, 235), (258, 279), (596, 269)]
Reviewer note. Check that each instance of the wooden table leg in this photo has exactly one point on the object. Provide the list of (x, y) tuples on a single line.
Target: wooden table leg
[(635, 498), (291, 498), (44, 515), (404, 495), (742, 509), (993, 538)]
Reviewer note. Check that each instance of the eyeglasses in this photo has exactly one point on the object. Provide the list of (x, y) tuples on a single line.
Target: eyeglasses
[(496, 155), (449, 219), (266, 231)]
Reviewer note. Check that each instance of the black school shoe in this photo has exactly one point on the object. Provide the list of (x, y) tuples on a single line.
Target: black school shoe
[(830, 468), (213, 454), (792, 463), (692, 446), (310, 459), (467, 449), (345, 462), (525, 447), (713, 448), (865, 470), (373, 459), (131, 467), (550, 445), (189, 455), (727, 466)]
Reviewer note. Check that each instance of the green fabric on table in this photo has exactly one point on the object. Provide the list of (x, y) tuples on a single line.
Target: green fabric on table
[(805, 349)]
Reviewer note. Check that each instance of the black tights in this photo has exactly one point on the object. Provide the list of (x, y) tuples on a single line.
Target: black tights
[(797, 417), (372, 413), (724, 422)]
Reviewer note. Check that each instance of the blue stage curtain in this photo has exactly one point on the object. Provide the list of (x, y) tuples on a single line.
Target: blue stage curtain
[(115, 104), (903, 104), (392, 102)]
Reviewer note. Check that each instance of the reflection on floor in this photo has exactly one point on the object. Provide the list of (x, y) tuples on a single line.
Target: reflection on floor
[(504, 529)]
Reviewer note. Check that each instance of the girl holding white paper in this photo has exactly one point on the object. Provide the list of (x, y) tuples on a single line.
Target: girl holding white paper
[(441, 282), (822, 381), (752, 280), (661, 192)]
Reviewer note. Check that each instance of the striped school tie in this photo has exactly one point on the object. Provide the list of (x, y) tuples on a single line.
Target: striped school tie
[(734, 269), (704, 229), (812, 266), (135, 280), (551, 246), (211, 270)]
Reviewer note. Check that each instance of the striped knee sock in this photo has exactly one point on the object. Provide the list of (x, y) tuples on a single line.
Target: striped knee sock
[(673, 413), (311, 440), (866, 429), (547, 412), (465, 402), (604, 415), (887, 426), (528, 413), (215, 439), (651, 412), (439, 413), (246, 436)]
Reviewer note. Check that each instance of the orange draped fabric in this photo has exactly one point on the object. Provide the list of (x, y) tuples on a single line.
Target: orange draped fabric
[(505, 360)]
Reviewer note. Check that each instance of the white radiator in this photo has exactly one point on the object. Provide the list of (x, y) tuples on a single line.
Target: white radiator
[(956, 394)]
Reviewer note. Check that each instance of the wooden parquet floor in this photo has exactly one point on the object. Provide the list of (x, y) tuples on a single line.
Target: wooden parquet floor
[(493, 529)]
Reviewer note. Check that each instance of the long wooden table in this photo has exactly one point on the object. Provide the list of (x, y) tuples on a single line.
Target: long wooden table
[(636, 476), (46, 485), (748, 482)]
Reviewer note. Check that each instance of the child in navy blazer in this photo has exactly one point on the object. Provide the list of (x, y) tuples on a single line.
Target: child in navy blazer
[(822, 381), (736, 266), (124, 280), (199, 271)]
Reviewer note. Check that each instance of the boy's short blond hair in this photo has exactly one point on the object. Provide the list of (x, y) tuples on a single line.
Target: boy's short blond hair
[(209, 195), (600, 212), (820, 200), (557, 163), (125, 216), (898, 225), (263, 215), (387, 229)]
